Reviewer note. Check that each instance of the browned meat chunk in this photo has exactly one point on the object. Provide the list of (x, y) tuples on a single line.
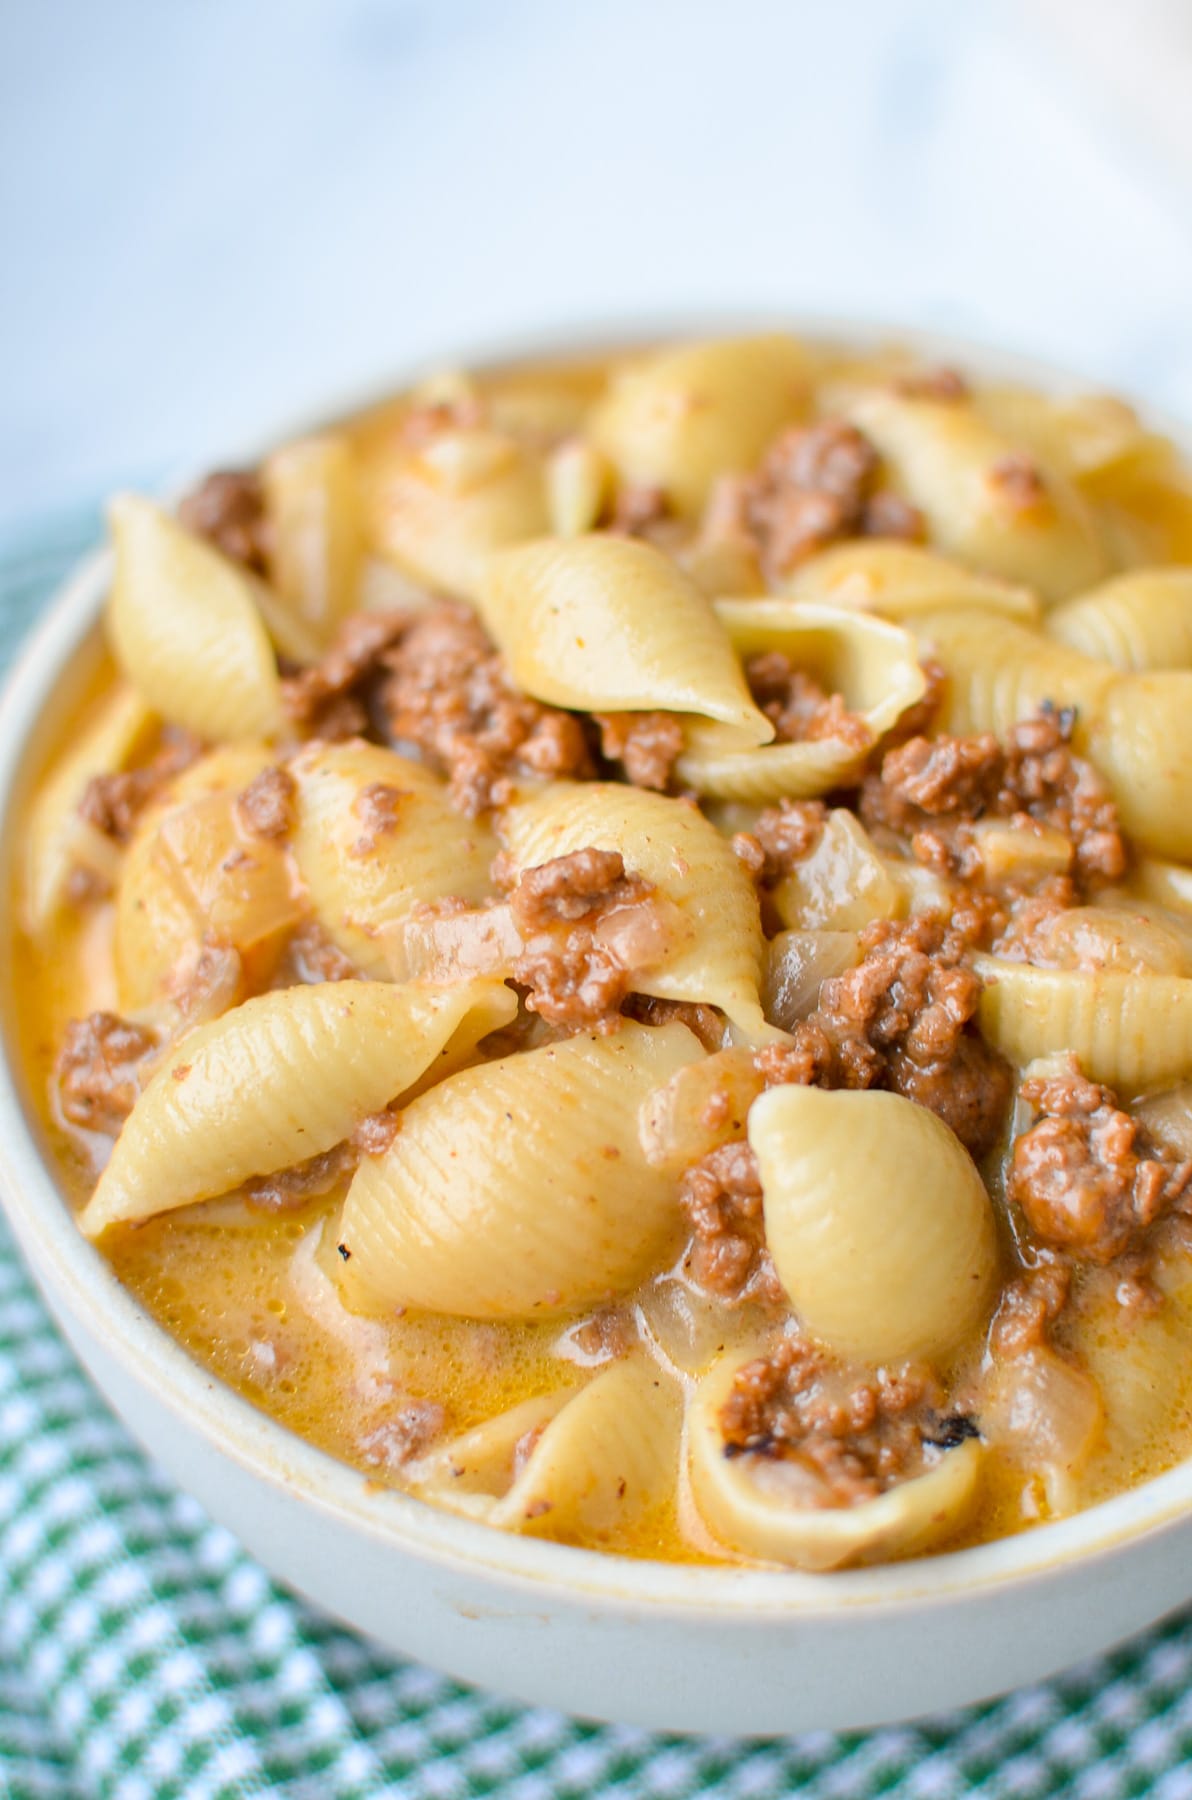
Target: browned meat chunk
[(378, 807), (781, 837), (902, 1020), (330, 699), (1018, 481), (930, 790), (448, 695), (266, 807), (573, 917), (1085, 1177), (228, 509), (798, 708), (703, 1021), (815, 484), (722, 1197), (637, 507), (409, 1431), (98, 1071), (855, 1434), (647, 745), (311, 956), (113, 803), (1029, 1306), (287, 1189), (940, 383)]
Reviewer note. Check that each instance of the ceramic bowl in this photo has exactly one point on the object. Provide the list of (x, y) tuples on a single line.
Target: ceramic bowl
[(744, 1651)]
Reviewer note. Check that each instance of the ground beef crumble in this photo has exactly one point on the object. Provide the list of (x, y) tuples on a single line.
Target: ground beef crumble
[(704, 1021), (98, 1074), (405, 1434), (902, 1019), (647, 745), (287, 1189), (815, 484), (562, 911), (931, 790), (447, 694), (113, 803), (782, 836), (310, 956), (856, 1434), (721, 1195), (228, 509), (1086, 1178), (331, 698), (797, 707), (265, 808)]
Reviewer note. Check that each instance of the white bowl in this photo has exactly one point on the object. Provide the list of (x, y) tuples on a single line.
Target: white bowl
[(743, 1651)]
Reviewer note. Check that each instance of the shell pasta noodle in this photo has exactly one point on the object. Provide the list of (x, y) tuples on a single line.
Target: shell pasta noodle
[(611, 944)]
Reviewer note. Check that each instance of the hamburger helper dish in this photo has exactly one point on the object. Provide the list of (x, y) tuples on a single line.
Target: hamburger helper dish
[(613, 946)]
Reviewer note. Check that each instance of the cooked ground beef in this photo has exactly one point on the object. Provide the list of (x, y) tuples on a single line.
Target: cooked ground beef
[(113, 803), (1084, 1174), (722, 1197), (798, 708), (331, 699), (265, 809), (378, 806), (647, 745), (98, 1072), (448, 694), (311, 956), (376, 1131), (637, 506), (1029, 1307), (605, 1336), (815, 484), (287, 1189), (781, 837), (563, 911), (706, 1023), (857, 1435), (410, 1431), (930, 790), (1018, 482), (228, 509), (940, 383), (902, 1020)]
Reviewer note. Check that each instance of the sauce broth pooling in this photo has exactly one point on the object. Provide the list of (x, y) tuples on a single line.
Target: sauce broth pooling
[(614, 948)]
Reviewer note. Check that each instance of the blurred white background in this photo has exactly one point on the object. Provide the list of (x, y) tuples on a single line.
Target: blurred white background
[(219, 215)]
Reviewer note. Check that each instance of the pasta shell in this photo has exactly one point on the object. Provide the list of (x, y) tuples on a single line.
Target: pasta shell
[(1131, 1032), (873, 665), (678, 418), (841, 884), (717, 957), (900, 581), (363, 880), (439, 515), (1141, 740), (186, 630), (519, 1189), (58, 839), (285, 1076), (600, 1457), (1141, 620), (879, 1226), (313, 508), (1000, 672), (604, 1458), (755, 1505), (609, 624), (948, 462), (1044, 1413)]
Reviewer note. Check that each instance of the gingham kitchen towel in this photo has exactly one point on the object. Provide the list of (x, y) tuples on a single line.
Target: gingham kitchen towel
[(144, 1656)]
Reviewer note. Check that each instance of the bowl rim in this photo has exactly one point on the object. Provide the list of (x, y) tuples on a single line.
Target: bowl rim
[(233, 1426)]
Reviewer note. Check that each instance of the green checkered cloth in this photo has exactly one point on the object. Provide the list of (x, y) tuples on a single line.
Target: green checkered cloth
[(144, 1656)]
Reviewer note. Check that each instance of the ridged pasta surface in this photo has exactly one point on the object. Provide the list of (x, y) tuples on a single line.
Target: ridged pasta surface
[(281, 1078), (186, 629), (519, 1189)]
